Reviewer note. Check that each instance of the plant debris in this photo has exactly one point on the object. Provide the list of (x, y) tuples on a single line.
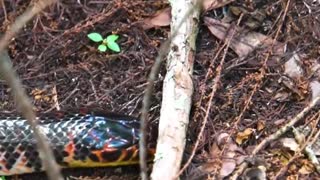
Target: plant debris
[(269, 76)]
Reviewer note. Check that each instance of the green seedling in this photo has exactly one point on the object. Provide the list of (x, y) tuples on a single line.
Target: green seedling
[(109, 42)]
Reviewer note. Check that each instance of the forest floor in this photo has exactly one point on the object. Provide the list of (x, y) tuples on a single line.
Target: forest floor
[(257, 92)]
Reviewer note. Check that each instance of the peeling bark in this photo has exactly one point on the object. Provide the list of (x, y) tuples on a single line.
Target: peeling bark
[(177, 91)]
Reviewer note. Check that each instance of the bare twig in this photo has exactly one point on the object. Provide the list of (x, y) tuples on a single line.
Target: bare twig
[(244, 165), (20, 96), (313, 139), (22, 20), (303, 147), (288, 126), (4, 11), (26, 108), (310, 153), (57, 104), (277, 134)]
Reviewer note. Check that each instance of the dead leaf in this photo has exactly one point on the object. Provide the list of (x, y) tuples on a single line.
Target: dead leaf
[(208, 5), (284, 156), (37, 91), (228, 166), (223, 138), (281, 96), (243, 42), (37, 97), (215, 152), (293, 177), (261, 125), (242, 136), (290, 143), (161, 18), (292, 67), (229, 155), (292, 168), (315, 67), (208, 167), (240, 159), (41, 95), (307, 168), (315, 89), (293, 86)]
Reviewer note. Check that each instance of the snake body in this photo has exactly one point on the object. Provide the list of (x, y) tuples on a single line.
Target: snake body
[(82, 139)]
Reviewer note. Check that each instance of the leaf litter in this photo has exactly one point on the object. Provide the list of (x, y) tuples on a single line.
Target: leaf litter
[(116, 81)]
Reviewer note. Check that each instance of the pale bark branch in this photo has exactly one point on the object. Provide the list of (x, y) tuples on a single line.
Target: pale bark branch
[(177, 90)]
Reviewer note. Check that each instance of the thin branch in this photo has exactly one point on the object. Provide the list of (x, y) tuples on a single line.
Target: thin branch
[(303, 146), (26, 108), (20, 96), (22, 21), (4, 11), (311, 154), (244, 165), (277, 134)]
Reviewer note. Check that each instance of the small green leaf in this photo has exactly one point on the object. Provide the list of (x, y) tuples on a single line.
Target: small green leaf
[(113, 46), (2, 178), (96, 37), (112, 38), (102, 48)]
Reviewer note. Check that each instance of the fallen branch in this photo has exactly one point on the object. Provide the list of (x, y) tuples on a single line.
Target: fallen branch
[(164, 48), (177, 90), (19, 94)]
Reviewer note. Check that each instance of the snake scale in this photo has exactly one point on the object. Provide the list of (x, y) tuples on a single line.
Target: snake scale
[(82, 139)]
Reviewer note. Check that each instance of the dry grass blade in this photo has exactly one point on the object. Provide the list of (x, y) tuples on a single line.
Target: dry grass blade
[(20, 96)]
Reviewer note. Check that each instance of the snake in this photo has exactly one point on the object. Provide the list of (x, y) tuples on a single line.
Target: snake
[(78, 140)]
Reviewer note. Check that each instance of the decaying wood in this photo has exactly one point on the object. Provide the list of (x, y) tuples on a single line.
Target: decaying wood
[(177, 91)]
